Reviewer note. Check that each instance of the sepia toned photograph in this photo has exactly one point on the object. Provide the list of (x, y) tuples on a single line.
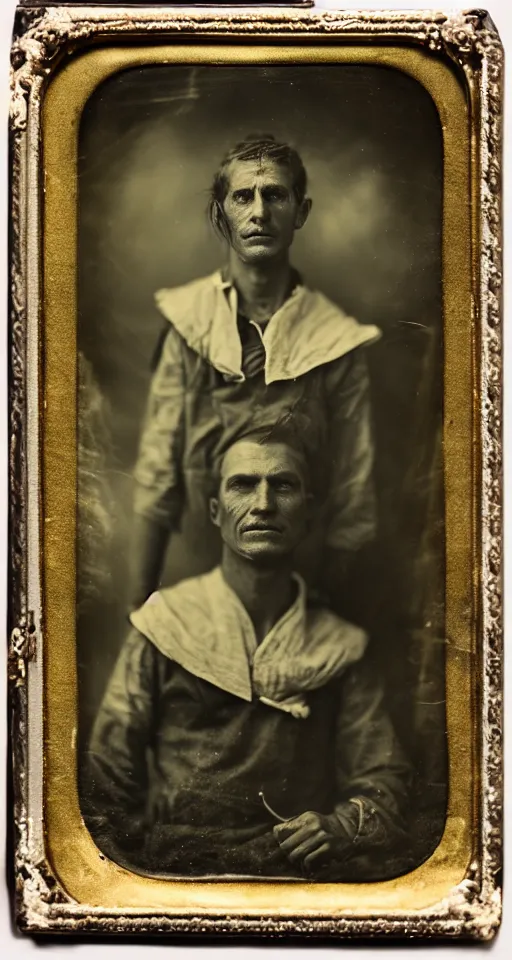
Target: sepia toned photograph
[(255, 473), (260, 584)]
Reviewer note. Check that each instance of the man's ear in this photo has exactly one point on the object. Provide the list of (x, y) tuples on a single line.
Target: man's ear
[(303, 213), (220, 221), (214, 511)]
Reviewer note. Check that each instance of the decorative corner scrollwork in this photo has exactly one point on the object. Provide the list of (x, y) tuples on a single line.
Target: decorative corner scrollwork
[(30, 53), (40, 37), (37, 893), (463, 36), (474, 914), (463, 33)]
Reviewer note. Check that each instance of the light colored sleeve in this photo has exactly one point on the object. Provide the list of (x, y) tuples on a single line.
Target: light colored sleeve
[(158, 471), (352, 506)]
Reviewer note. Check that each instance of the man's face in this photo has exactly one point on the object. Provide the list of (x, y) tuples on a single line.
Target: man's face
[(261, 209), (262, 508)]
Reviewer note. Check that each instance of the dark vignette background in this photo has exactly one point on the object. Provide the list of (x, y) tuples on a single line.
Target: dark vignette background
[(371, 141)]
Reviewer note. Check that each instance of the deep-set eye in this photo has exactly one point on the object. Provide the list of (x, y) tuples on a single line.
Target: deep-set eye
[(284, 486), (242, 484), (275, 194), (242, 196)]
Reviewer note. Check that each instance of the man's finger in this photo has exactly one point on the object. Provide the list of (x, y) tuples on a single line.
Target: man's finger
[(317, 854), (286, 829), (295, 839), (296, 854), (309, 818)]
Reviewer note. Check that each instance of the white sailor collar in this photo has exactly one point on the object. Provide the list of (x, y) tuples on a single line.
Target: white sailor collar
[(308, 329), (202, 625)]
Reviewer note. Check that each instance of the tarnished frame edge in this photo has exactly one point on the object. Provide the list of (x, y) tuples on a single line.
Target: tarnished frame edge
[(43, 36)]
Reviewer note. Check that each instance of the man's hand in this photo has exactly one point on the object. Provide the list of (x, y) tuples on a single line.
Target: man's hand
[(313, 838)]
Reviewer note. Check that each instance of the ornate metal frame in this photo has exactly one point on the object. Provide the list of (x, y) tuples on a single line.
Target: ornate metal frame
[(43, 38)]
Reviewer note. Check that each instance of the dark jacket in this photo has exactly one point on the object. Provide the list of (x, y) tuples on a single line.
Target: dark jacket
[(177, 766)]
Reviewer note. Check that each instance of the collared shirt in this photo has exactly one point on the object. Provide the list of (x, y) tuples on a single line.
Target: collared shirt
[(189, 763), (250, 331), (314, 382), (202, 625)]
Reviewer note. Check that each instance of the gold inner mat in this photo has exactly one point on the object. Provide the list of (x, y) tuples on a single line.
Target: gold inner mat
[(87, 875)]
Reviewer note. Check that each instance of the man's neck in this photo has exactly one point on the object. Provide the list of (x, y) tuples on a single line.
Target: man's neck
[(262, 289), (265, 592)]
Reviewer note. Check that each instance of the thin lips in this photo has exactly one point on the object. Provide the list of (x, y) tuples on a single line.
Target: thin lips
[(258, 233), (265, 527)]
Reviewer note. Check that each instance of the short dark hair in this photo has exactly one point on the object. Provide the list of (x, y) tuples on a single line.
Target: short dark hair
[(255, 147)]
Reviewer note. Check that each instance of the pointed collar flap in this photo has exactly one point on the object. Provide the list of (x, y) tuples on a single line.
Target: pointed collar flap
[(190, 624), (308, 329), (202, 625), (201, 313)]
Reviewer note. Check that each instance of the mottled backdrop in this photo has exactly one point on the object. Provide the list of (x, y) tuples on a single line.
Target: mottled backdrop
[(371, 141)]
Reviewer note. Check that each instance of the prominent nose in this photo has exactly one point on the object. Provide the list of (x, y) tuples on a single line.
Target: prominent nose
[(259, 209), (263, 501)]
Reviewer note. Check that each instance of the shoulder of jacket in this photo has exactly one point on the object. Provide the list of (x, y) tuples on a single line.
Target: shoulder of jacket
[(327, 628)]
